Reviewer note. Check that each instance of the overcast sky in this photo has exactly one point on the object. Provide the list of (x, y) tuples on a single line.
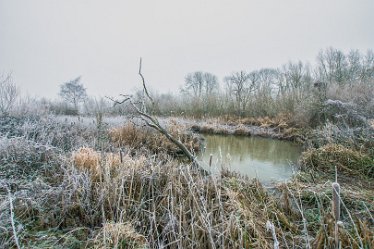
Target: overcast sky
[(48, 42)]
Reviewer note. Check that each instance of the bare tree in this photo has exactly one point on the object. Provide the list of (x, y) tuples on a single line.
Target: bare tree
[(297, 80), (354, 66), (203, 87), (367, 70), (8, 94), (332, 66), (201, 84), (241, 84), (73, 92)]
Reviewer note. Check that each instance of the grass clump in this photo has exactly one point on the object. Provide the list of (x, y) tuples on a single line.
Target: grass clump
[(241, 131), (207, 129), (119, 235), (135, 137), (91, 161), (348, 161)]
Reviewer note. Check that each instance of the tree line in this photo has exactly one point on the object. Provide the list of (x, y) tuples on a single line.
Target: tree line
[(290, 88), (295, 88)]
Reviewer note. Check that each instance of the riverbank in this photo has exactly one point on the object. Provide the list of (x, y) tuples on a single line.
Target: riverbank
[(277, 128)]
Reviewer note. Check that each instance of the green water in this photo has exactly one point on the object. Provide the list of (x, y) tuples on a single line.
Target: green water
[(266, 159)]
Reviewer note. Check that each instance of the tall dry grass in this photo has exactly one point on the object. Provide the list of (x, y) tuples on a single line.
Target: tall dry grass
[(349, 161), (139, 202), (170, 205), (174, 206), (137, 137), (95, 199)]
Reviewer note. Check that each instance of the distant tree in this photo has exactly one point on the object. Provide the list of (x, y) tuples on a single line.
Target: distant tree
[(201, 84), (332, 66), (73, 92), (367, 70), (8, 94), (241, 85), (297, 80)]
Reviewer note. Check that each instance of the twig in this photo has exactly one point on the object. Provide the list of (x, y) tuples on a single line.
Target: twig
[(270, 227), (300, 208), (116, 102), (143, 81), (368, 211), (353, 224), (12, 219)]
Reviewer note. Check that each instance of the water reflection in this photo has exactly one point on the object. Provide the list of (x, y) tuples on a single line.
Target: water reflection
[(266, 159)]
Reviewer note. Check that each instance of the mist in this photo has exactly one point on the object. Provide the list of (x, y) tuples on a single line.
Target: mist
[(46, 43)]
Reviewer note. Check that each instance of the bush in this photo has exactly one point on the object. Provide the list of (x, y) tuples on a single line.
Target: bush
[(24, 159)]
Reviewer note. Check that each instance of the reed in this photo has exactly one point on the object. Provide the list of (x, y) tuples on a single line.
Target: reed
[(136, 137), (336, 207)]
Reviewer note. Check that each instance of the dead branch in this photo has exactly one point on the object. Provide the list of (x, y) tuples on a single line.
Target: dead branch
[(143, 81), (153, 122), (116, 102)]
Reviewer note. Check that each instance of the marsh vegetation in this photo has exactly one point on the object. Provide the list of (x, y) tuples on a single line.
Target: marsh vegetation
[(110, 177)]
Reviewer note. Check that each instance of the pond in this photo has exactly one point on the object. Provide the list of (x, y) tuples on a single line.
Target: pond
[(266, 159)]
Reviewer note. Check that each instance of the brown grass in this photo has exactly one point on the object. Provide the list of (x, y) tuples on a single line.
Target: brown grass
[(142, 203), (241, 131), (348, 161), (207, 129), (101, 201), (221, 131), (171, 205), (136, 137), (119, 235), (282, 120), (89, 160)]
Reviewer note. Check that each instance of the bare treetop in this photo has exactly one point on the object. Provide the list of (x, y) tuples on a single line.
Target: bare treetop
[(8, 93), (73, 92)]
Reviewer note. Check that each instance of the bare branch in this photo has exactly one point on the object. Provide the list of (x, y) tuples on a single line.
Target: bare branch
[(116, 102), (143, 81), (152, 121)]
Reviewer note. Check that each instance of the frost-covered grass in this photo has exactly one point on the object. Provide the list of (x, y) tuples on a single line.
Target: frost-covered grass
[(66, 183)]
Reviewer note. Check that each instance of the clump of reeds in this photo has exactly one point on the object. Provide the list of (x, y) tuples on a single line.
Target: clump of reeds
[(119, 235), (348, 161), (207, 129), (128, 134), (137, 137), (87, 159), (282, 120), (171, 205), (221, 131)]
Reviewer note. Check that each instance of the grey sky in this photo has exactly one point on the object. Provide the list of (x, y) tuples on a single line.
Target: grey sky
[(48, 42)]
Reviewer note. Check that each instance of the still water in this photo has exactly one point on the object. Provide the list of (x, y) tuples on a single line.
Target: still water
[(262, 158)]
